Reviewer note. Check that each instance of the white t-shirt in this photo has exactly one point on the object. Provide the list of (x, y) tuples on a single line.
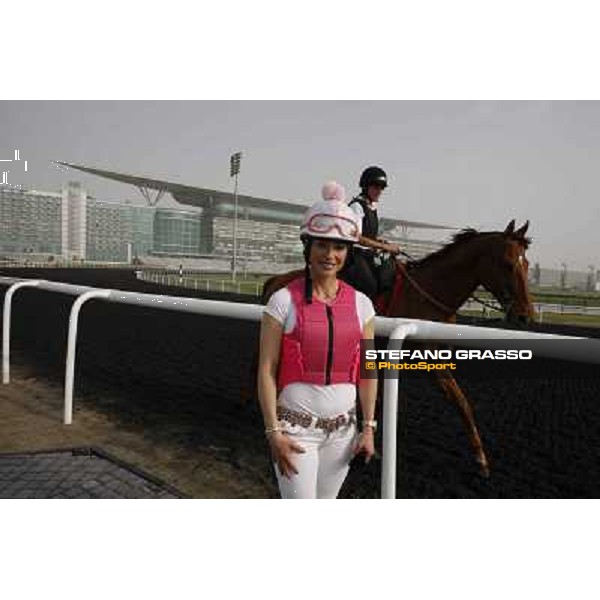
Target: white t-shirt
[(360, 213), (358, 210), (317, 400)]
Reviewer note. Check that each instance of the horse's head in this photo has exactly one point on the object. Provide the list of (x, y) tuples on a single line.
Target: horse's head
[(503, 269)]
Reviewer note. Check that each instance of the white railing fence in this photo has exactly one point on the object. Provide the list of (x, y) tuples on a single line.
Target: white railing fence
[(540, 309), (194, 281), (397, 330), (240, 286), (63, 264)]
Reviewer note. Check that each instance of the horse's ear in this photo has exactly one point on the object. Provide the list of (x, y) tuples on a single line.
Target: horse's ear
[(523, 229), (510, 228)]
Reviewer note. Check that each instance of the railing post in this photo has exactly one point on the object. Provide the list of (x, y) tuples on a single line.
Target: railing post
[(390, 415), (6, 325), (71, 349)]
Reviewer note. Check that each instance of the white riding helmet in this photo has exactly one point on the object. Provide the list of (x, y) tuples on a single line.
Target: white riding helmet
[(331, 218)]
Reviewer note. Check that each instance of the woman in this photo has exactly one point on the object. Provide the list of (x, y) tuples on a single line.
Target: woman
[(309, 360)]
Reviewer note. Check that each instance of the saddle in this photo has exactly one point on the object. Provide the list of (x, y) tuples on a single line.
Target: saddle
[(385, 270)]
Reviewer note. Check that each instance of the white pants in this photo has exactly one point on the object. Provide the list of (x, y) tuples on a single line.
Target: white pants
[(323, 467)]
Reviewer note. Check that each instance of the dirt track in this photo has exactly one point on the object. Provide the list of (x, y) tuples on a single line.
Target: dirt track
[(155, 388), (31, 417)]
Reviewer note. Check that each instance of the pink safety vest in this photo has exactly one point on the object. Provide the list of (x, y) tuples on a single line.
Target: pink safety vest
[(324, 346)]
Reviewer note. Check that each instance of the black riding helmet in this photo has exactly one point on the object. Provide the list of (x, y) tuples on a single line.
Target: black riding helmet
[(372, 176)]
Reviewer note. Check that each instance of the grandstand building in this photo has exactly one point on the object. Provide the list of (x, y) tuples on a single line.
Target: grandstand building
[(30, 222), (73, 225), (177, 233), (267, 229), (74, 221)]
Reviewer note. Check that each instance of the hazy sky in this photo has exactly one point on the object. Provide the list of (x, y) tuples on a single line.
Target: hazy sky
[(461, 163)]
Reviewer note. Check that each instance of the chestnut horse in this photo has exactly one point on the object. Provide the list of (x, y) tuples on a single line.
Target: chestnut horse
[(435, 287)]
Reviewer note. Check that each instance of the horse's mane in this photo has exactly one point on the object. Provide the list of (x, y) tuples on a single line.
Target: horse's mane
[(463, 236)]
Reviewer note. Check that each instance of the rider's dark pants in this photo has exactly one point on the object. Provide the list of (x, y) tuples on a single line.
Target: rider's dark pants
[(361, 273)]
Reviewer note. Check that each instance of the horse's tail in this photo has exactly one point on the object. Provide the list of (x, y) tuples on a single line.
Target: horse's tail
[(276, 282)]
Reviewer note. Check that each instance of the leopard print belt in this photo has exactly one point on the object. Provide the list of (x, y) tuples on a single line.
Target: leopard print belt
[(294, 417)]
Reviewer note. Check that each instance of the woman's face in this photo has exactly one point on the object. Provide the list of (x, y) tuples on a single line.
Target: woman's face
[(327, 257)]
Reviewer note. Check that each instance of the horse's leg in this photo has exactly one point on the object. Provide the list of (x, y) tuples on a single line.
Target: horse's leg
[(453, 393)]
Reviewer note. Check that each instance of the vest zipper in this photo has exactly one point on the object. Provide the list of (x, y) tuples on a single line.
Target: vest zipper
[(329, 346)]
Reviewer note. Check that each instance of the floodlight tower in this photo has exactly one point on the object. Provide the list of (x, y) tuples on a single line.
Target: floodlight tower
[(235, 161), (591, 286)]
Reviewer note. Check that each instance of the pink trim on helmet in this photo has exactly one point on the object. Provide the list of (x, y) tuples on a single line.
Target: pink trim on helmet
[(345, 227), (340, 222)]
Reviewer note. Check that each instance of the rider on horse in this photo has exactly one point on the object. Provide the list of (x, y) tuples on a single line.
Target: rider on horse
[(363, 272)]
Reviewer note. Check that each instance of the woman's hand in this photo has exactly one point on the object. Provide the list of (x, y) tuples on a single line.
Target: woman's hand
[(283, 448), (365, 444)]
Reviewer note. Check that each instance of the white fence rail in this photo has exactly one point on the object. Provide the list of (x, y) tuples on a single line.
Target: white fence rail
[(191, 280), (540, 309), (397, 330), (59, 264), (566, 309), (240, 286)]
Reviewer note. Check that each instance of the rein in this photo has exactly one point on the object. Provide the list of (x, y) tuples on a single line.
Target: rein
[(425, 294), (433, 300)]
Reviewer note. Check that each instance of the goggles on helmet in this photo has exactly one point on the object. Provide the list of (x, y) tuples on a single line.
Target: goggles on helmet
[(323, 223), (378, 183)]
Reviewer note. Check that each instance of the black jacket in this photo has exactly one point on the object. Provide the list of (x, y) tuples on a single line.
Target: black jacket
[(370, 222)]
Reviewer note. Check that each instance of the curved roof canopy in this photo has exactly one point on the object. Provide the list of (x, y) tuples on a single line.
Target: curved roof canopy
[(223, 203)]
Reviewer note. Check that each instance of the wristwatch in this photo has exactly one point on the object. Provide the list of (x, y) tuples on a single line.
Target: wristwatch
[(372, 424)]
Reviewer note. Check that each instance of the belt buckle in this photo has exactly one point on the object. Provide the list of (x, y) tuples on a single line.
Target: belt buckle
[(332, 424)]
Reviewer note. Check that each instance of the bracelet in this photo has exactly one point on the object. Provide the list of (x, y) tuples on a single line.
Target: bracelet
[(370, 423), (270, 430)]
